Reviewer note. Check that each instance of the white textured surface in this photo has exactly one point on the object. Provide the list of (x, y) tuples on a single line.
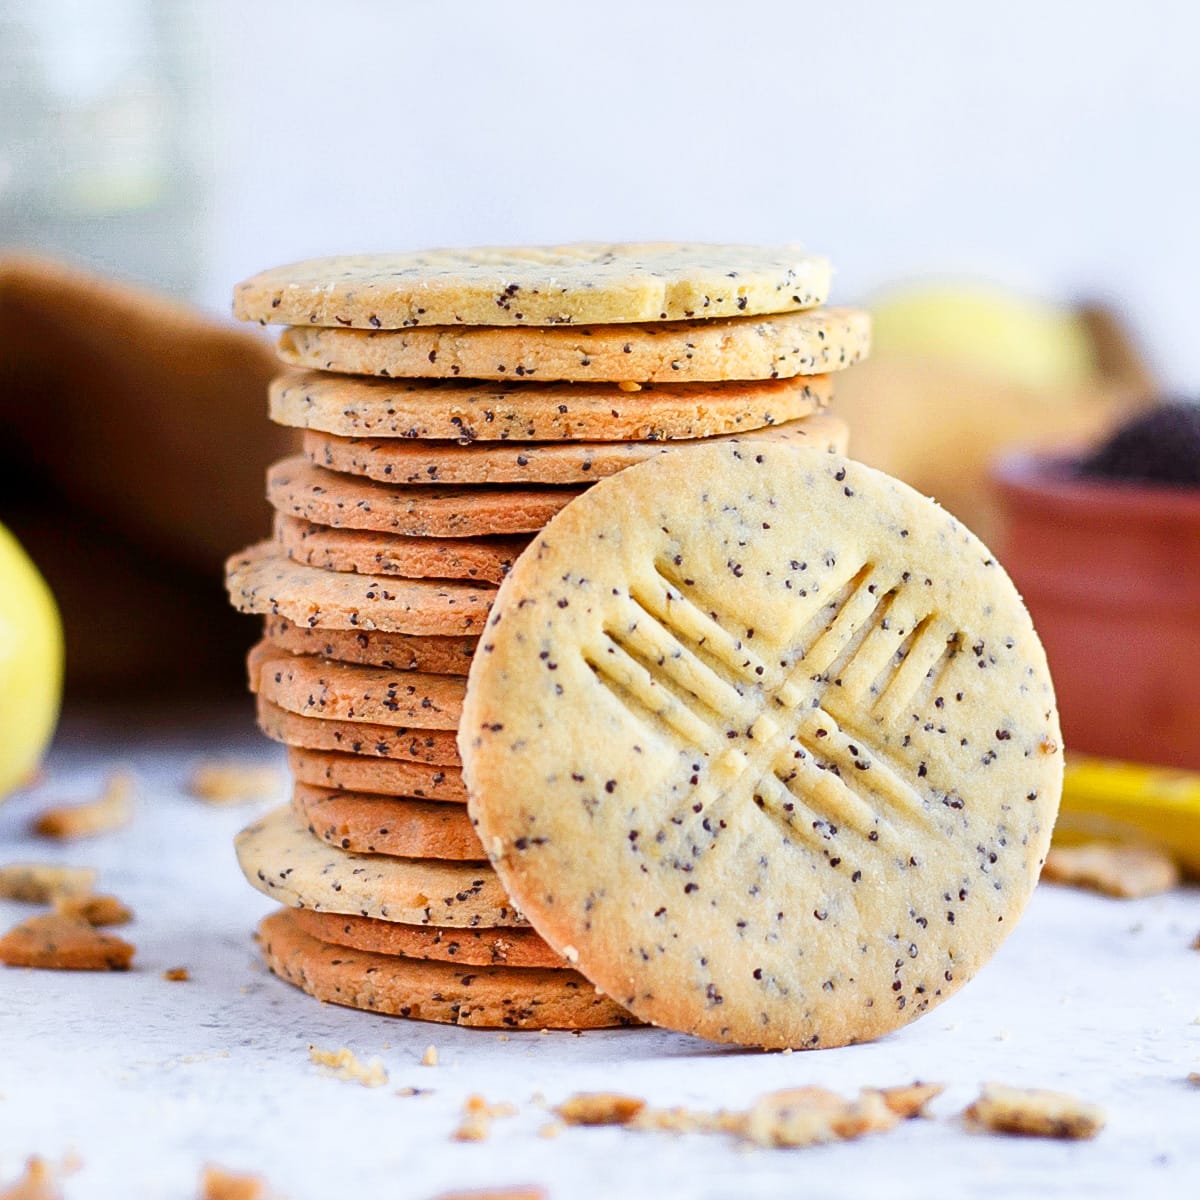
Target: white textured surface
[(147, 1080)]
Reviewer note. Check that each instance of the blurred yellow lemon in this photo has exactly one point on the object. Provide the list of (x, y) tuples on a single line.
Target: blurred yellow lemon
[(31, 665), (1007, 335)]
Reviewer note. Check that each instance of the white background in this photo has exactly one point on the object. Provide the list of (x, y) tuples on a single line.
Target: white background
[(1052, 145)]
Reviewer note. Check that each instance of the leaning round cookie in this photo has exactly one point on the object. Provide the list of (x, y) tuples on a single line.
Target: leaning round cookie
[(299, 489), (393, 825), (436, 747), (446, 410), (480, 560), (741, 348), (264, 580), (374, 647), (337, 691), (283, 860), (768, 740), (487, 997), (396, 460), (536, 285), (376, 776), (471, 947)]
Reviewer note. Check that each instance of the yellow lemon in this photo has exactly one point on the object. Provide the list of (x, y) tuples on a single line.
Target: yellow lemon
[(31, 664)]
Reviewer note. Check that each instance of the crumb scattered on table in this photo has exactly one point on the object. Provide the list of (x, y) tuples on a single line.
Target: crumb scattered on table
[(911, 1100), (345, 1064), (177, 974), (216, 1183), (112, 809), (1034, 1112), (234, 781), (1126, 872), (44, 883), (39, 1182), (599, 1108), (54, 942), (430, 1057), (95, 910)]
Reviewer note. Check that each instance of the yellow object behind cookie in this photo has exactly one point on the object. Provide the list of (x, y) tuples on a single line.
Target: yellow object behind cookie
[(31, 662), (1129, 802)]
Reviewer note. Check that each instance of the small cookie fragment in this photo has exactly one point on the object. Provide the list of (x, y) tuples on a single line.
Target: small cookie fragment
[(54, 942), (811, 1116), (1035, 1112), (345, 1064), (39, 1182), (1194, 1079), (95, 910), (1125, 872), (177, 975), (112, 809), (911, 1100), (234, 781), (600, 1108), (43, 883), (430, 1057), (216, 1183), (478, 1115)]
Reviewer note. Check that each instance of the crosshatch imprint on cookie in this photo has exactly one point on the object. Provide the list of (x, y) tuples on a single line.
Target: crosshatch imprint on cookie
[(792, 717)]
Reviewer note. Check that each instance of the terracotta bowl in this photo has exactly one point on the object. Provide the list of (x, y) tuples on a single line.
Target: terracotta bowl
[(1111, 574)]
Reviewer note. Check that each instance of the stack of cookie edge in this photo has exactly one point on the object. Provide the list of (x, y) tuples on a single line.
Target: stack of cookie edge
[(452, 403)]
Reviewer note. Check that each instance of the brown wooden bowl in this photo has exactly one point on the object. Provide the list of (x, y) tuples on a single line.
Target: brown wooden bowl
[(1110, 571)]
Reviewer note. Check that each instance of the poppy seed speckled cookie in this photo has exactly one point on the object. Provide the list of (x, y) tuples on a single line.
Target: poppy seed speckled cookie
[(768, 740), (436, 747), (482, 560), (283, 860), (396, 460), (374, 647), (536, 285), (393, 825), (735, 348), (264, 580), (298, 488), (472, 947), (377, 776), (485, 997), (446, 410), (328, 690)]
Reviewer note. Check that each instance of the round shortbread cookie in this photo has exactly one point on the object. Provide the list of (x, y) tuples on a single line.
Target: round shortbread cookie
[(485, 560), (327, 690), (741, 348), (377, 776), (375, 648), (264, 580), (436, 747), (485, 997), (536, 285), (444, 410), (370, 824), (298, 488), (472, 947), (769, 739), (394, 460), (284, 861)]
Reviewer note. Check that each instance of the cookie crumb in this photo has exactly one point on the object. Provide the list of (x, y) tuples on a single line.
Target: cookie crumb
[(1196, 943), (345, 1064), (39, 1182), (1034, 1112), (52, 942), (176, 975), (812, 1116), (683, 1120), (430, 1057), (1125, 872), (550, 1129), (216, 1183), (95, 910), (44, 883), (414, 1091), (111, 810), (233, 781), (599, 1108), (1194, 1079), (911, 1100), (474, 1127)]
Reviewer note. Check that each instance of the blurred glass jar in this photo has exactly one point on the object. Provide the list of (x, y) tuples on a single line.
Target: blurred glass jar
[(102, 159)]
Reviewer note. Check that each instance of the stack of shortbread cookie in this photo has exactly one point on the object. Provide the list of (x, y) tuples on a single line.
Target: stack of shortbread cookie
[(452, 403)]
